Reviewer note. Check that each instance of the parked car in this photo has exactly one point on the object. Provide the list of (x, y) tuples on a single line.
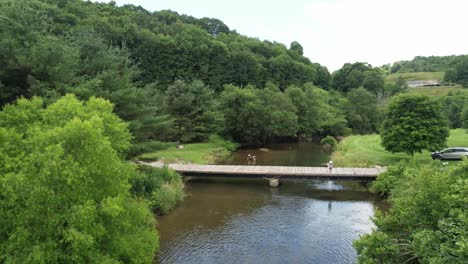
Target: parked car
[(451, 153)]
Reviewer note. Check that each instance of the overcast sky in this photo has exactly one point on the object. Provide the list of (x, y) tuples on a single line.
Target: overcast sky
[(334, 32)]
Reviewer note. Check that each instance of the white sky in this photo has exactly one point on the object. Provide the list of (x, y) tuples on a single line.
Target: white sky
[(334, 32)]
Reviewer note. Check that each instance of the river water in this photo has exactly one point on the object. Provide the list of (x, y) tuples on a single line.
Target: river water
[(245, 221)]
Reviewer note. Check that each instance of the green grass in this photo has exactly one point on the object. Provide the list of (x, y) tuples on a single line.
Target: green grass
[(458, 138), (437, 91), (414, 76), (366, 150), (199, 153)]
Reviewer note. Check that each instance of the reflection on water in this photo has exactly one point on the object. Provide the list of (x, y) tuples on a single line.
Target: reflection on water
[(245, 221), (284, 154)]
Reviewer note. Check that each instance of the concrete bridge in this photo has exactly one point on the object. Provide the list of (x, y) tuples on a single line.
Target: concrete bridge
[(273, 173)]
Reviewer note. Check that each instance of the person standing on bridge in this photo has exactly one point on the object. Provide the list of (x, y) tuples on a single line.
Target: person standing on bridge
[(330, 166)]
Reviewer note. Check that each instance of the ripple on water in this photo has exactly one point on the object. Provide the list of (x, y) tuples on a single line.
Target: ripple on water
[(284, 227)]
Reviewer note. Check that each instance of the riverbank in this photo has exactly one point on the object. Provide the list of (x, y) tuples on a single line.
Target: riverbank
[(200, 153), (366, 150)]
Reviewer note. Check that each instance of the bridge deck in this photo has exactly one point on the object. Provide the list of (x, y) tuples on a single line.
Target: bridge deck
[(241, 171)]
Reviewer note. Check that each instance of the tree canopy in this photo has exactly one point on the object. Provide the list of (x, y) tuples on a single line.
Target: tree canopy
[(413, 123), (64, 186)]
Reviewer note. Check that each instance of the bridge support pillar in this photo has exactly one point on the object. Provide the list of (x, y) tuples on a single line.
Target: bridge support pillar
[(274, 182)]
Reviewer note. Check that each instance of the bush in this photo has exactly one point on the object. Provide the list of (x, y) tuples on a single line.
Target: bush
[(146, 147), (386, 182), (330, 142), (427, 221), (162, 188)]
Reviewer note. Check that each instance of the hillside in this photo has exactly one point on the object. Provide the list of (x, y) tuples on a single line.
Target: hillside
[(414, 76)]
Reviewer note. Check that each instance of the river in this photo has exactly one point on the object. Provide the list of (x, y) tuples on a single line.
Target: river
[(245, 221)]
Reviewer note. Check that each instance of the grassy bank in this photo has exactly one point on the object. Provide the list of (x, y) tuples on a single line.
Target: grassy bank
[(200, 153), (366, 150)]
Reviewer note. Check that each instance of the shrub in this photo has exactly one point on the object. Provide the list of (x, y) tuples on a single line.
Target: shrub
[(146, 147), (330, 142), (162, 188)]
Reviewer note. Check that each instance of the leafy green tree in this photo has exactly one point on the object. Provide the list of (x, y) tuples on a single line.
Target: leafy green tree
[(452, 105), (461, 68), (64, 187), (349, 76), (254, 116), (296, 46), (413, 123), (362, 112), (193, 108), (373, 81), (450, 75), (308, 110)]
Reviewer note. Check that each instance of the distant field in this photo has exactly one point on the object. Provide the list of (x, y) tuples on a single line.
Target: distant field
[(413, 76), (366, 151), (438, 91)]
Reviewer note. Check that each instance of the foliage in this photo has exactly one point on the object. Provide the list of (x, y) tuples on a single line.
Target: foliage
[(458, 73), (413, 123), (163, 188), (256, 116), (146, 63), (362, 113), (193, 108), (465, 116), (146, 147), (387, 181), (452, 105), (424, 64), (355, 75), (330, 141), (307, 104), (428, 219), (64, 186)]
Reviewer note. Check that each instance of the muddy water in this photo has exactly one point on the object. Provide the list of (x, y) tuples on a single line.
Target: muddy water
[(245, 221), (285, 154)]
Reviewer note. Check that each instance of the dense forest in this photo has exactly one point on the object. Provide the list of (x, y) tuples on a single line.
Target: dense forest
[(169, 75), (178, 78)]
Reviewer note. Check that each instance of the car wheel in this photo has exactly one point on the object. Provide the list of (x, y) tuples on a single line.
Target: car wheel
[(437, 157)]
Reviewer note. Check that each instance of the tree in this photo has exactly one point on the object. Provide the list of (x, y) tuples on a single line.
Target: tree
[(296, 46), (193, 108), (308, 111), (373, 81), (413, 123), (64, 187), (255, 116), (349, 76), (362, 113)]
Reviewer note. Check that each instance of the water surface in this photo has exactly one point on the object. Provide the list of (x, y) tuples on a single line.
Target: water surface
[(245, 221), (284, 154)]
